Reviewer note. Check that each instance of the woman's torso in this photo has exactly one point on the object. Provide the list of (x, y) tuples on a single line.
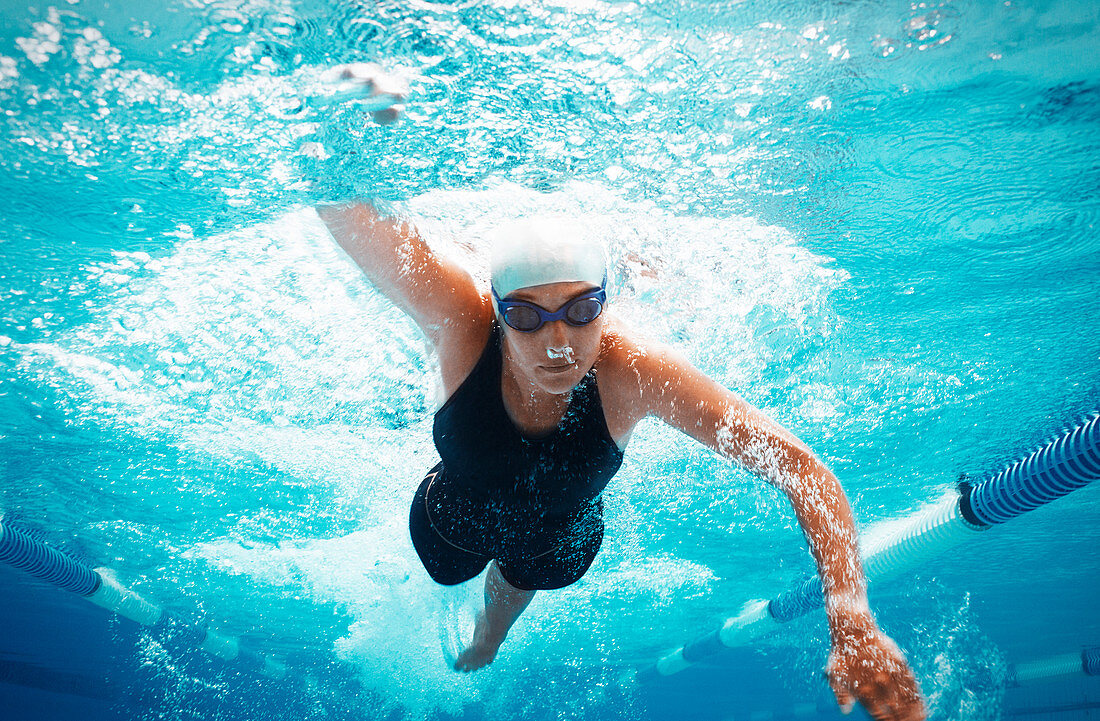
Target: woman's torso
[(508, 486), (461, 343)]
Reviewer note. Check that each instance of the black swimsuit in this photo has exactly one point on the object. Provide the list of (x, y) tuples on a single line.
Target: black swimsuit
[(533, 504)]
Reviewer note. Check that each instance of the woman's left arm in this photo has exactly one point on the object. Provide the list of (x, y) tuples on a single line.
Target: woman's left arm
[(864, 664)]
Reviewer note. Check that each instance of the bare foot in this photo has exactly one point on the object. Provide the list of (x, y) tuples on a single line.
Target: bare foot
[(482, 650)]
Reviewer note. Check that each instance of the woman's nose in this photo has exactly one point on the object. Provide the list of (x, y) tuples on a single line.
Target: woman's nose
[(557, 336)]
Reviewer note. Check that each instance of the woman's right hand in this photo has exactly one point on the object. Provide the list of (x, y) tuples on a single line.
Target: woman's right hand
[(366, 85)]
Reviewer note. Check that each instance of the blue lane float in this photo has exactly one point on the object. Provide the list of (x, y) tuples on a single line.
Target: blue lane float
[(1058, 468), (35, 558), (44, 563), (1090, 661), (1049, 473), (1086, 662)]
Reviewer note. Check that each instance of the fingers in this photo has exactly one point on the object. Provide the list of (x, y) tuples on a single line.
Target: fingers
[(911, 709), (844, 697), (887, 702), (878, 699), (389, 85), (883, 699), (905, 699), (361, 71), (388, 116), (890, 712)]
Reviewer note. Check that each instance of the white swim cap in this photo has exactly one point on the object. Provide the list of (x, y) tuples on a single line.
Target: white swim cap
[(545, 249)]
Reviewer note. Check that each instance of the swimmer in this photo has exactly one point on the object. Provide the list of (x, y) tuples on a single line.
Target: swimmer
[(544, 386)]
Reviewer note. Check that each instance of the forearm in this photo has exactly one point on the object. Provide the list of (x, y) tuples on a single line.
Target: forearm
[(434, 290), (864, 664), (688, 400), (826, 518), (363, 233)]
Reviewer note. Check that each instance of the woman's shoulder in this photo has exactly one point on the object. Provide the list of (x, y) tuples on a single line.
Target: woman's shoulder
[(634, 368), (626, 352), (460, 342), (627, 367)]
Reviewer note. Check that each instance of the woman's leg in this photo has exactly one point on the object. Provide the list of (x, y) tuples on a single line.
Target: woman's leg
[(503, 605), (504, 602)]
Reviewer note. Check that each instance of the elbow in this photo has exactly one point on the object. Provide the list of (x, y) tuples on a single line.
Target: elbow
[(789, 466)]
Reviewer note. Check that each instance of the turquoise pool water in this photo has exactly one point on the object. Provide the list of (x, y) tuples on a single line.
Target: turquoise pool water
[(877, 221)]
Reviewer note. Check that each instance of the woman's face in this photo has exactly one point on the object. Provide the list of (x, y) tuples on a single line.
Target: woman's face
[(539, 357)]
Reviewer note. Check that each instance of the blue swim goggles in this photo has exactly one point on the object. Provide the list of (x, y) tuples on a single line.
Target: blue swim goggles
[(528, 317)]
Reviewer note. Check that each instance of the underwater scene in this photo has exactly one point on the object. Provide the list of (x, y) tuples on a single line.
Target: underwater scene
[(876, 222)]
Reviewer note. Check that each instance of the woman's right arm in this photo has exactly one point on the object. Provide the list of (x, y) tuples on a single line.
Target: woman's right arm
[(439, 295)]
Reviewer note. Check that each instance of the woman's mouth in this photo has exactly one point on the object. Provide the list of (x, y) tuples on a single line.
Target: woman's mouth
[(560, 368)]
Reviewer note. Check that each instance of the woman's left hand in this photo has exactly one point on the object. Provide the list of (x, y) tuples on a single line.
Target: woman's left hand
[(366, 85), (866, 665)]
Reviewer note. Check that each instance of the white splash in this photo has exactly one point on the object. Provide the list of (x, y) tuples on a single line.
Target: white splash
[(264, 345), (564, 353)]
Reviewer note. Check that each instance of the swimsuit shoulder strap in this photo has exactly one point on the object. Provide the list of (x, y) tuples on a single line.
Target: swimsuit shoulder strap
[(485, 375)]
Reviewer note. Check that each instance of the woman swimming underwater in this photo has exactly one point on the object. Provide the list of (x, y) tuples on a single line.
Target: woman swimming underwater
[(544, 387)]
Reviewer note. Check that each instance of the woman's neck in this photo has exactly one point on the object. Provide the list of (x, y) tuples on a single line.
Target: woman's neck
[(532, 408)]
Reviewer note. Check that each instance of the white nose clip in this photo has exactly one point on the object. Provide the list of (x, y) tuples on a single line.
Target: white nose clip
[(564, 353)]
